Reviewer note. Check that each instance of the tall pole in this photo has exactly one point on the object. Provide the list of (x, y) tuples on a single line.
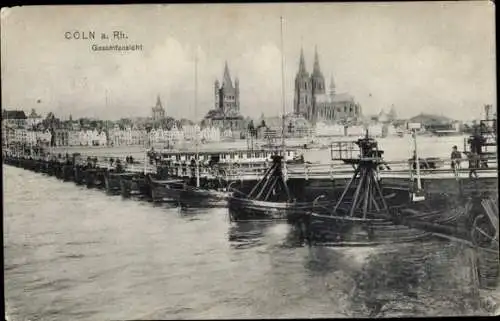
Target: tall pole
[(417, 163), (195, 115), (284, 170), (282, 90)]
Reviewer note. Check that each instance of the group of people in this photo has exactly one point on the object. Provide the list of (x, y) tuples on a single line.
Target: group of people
[(474, 156)]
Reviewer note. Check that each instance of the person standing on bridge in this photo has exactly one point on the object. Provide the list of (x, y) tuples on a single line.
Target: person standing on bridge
[(456, 158)]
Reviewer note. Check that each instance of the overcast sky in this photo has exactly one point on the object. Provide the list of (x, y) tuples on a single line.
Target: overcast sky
[(422, 57)]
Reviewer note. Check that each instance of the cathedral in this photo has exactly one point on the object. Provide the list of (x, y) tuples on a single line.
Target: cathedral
[(313, 102)]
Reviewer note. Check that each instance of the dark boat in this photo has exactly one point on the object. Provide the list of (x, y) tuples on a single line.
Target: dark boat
[(135, 185), (79, 174), (68, 172), (198, 197), (344, 230), (165, 190), (360, 217), (270, 199), (112, 181)]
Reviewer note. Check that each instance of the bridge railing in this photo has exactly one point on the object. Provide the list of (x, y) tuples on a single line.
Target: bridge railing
[(428, 167)]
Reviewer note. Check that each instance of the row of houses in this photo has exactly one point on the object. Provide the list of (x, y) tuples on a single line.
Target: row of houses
[(114, 137)]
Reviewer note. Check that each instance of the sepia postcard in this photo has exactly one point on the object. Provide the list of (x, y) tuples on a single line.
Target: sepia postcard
[(248, 161)]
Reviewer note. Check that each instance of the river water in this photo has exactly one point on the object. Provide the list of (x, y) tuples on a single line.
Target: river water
[(76, 254)]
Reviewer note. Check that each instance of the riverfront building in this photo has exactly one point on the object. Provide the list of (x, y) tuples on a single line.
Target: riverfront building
[(14, 118), (315, 104), (33, 119)]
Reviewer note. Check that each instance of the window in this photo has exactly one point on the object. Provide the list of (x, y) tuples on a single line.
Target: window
[(345, 109)]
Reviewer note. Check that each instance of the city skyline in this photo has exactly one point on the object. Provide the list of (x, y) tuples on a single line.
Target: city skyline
[(420, 57)]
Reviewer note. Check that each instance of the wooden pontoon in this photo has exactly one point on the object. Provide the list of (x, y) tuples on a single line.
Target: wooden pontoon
[(270, 198), (360, 216), (165, 190)]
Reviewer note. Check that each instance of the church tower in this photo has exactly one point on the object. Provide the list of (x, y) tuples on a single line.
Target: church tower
[(158, 110), (303, 89), (216, 94), (227, 95), (318, 84), (237, 94), (317, 79), (332, 88)]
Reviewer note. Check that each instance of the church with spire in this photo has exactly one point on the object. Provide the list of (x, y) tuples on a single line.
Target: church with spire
[(226, 112), (158, 110), (227, 95), (314, 103)]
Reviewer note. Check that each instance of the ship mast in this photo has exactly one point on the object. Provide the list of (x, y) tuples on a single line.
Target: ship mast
[(195, 116), (282, 91)]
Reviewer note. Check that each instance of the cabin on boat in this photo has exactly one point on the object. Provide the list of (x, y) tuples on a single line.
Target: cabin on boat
[(225, 157)]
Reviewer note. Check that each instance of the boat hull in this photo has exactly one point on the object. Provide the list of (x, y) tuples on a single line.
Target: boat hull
[(94, 178), (242, 209), (160, 193), (196, 197), (79, 175), (112, 182), (134, 186), (352, 231), (67, 172)]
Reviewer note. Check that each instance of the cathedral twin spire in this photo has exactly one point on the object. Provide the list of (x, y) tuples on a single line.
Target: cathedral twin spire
[(316, 67), (316, 74)]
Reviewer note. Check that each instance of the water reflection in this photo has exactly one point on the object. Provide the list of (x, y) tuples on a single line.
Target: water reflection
[(404, 280), (194, 213), (245, 235)]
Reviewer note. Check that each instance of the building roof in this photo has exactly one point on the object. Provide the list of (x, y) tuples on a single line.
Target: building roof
[(13, 114), (34, 115), (430, 119), (338, 98), (343, 97), (323, 98), (219, 114)]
